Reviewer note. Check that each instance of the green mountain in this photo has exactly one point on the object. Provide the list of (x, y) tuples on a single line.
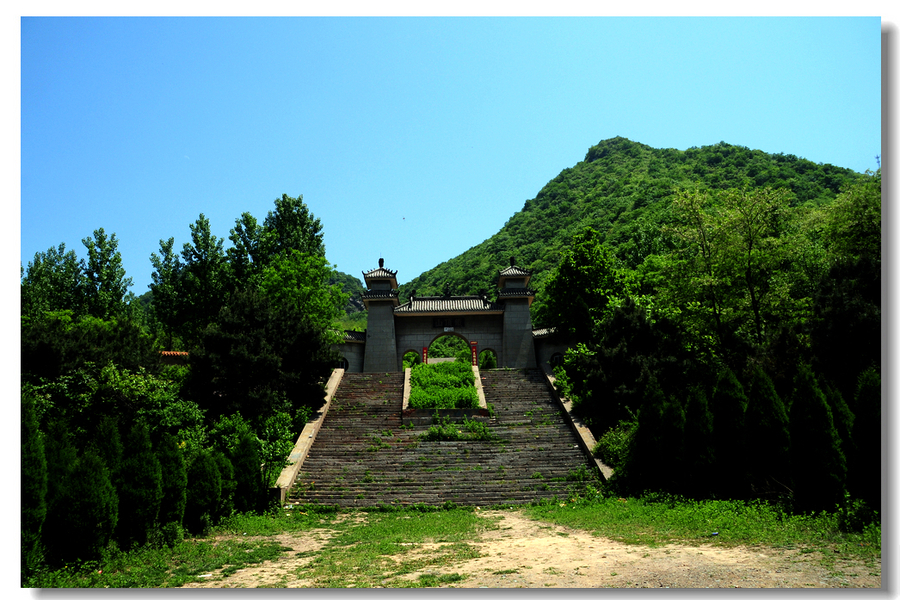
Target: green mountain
[(622, 189)]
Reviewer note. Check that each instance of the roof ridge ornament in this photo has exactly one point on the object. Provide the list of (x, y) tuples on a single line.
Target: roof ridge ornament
[(380, 263)]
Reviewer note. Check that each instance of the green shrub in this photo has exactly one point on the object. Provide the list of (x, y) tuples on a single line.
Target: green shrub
[(614, 446)]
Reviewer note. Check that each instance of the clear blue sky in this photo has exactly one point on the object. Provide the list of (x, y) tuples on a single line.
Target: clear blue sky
[(411, 139)]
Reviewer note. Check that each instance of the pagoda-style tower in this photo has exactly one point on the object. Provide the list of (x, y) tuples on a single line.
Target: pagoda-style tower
[(518, 341), (380, 299)]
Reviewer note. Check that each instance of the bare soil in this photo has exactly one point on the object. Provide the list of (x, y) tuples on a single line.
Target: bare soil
[(530, 554)]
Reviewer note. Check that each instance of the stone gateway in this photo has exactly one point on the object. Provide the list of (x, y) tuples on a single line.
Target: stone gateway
[(393, 329)]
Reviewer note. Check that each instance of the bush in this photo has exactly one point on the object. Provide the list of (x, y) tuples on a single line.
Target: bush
[(615, 445)]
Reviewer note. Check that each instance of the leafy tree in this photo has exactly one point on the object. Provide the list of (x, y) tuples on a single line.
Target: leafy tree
[(245, 255), (60, 343), (201, 284), (34, 487), (727, 270), (291, 226), (277, 436), (54, 280), (165, 289), (818, 464), (259, 359), (107, 444), (106, 281), (301, 280), (583, 287), (853, 221)]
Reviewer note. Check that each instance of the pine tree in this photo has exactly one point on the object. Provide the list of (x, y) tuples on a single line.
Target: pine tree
[(818, 466), (767, 432), (226, 499), (698, 443), (204, 493), (866, 466), (729, 405), (61, 453), (249, 494), (659, 441), (140, 488), (34, 488), (174, 481)]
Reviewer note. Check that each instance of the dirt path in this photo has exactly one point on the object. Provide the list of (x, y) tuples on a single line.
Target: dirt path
[(525, 553)]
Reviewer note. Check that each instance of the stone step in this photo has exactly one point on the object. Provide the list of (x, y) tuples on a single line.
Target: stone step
[(364, 455)]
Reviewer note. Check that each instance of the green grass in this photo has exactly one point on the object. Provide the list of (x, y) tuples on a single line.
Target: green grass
[(655, 521), (385, 546)]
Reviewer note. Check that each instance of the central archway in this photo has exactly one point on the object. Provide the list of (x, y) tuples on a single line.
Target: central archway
[(449, 345)]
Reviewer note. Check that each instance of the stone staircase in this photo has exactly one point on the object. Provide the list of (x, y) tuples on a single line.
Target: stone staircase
[(364, 455)]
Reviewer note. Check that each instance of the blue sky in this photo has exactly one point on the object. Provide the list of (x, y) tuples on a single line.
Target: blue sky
[(412, 139)]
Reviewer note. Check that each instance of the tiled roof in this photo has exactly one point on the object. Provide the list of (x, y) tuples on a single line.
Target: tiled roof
[(458, 304), (379, 294), (514, 292), (380, 273), (543, 332), (514, 271), (173, 353), (354, 336)]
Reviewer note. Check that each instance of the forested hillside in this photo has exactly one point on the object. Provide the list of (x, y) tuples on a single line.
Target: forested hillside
[(722, 310), (624, 191)]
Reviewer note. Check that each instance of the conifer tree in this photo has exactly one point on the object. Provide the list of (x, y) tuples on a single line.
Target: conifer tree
[(818, 466), (86, 512), (34, 488), (699, 449), (659, 441), (866, 464), (226, 498), (843, 417), (107, 443), (174, 481), (767, 432), (729, 405), (204, 493), (249, 493), (61, 453), (140, 488)]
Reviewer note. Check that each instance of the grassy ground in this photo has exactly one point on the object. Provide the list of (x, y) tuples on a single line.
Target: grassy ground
[(378, 547)]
